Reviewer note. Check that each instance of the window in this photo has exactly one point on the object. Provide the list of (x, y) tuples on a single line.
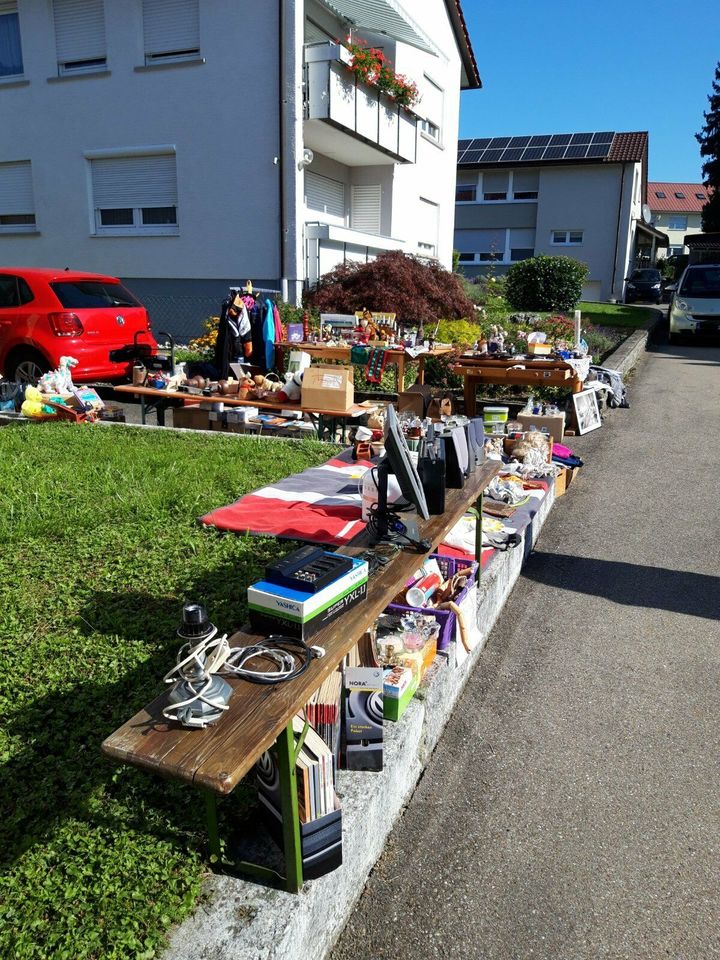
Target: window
[(700, 196), (17, 203), (521, 253), (14, 292), (325, 195), (432, 107), (677, 222), (525, 184), (495, 186), (466, 258), (674, 251), (466, 193), (172, 30), (135, 194), (679, 195), (11, 62), (521, 243), (365, 207), (484, 245), (79, 35), (427, 227), (81, 294), (660, 194), (566, 237)]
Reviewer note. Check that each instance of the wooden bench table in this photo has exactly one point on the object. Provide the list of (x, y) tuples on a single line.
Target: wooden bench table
[(217, 758), (482, 368), (394, 356), (165, 398)]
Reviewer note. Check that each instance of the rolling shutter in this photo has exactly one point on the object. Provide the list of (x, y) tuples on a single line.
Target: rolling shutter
[(121, 182), (16, 190), (495, 182), (428, 223), (524, 239), (79, 30), (431, 104), (171, 26), (525, 181), (324, 195), (365, 211)]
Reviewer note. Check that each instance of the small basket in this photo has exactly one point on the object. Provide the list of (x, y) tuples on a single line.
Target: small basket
[(449, 566)]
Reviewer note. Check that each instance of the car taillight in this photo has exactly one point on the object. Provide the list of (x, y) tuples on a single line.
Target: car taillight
[(65, 324)]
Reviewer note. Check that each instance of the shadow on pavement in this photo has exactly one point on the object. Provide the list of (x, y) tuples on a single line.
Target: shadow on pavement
[(632, 584)]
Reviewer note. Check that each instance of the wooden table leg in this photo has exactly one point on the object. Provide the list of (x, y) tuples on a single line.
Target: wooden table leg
[(469, 390), (400, 373)]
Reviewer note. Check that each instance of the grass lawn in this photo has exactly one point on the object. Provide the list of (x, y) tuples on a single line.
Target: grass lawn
[(101, 547), (616, 315)]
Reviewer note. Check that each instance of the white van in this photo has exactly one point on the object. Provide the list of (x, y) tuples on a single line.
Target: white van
[(695, 306)]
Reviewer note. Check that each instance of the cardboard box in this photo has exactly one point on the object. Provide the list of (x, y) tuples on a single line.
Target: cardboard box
[(564, 479), (554, 425), (411, 402), (399, 685), (328, 388), (191, 418)]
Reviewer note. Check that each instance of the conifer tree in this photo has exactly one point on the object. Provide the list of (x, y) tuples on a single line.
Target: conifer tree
[(709, 140)]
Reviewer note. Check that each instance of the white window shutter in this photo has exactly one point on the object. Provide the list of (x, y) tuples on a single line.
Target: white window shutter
[(79, 30), (427, 230), (526, 180), (324, 195), (16, 190), (171, 26), (431, 102), (121, 182), (366, 207)]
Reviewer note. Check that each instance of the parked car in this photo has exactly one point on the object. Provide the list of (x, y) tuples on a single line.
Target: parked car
[(46, 314), (645, 284), (695, 306)]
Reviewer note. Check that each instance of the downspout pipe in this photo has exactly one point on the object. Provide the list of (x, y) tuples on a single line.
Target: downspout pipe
[(617, 234)]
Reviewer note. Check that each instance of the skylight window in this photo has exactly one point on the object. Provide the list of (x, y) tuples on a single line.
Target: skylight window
[(659, 194), (700, 196), (679, 195)]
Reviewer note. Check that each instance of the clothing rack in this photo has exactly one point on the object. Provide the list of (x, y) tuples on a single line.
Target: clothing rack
[(235, 290)]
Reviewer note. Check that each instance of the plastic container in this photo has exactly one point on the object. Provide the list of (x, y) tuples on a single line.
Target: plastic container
[(495, 414), (449, 566)]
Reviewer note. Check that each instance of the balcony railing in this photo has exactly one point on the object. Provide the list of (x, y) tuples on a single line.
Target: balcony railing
[(334, 94)]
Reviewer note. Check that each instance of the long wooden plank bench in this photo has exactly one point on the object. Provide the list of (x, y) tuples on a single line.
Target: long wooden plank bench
[(217, 758)]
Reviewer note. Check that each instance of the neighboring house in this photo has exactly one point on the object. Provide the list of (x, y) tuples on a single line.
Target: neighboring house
[(185, 145), (579, 194), (677, 210)]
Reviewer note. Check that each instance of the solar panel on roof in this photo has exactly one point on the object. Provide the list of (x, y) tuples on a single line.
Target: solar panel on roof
[(598, 150), (463, 145), (512, 153), (533, 153), (560, 140), (576, 151), (499, 143), (481, 143), (471, 156), (580, 138), (519, 141), (490, 155), (539, 141), (605, 137), (553, 153)]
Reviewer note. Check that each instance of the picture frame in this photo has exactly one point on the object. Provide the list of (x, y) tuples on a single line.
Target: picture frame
[(587, 411)]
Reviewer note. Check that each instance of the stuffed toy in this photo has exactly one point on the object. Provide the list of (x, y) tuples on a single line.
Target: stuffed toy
[(265, 383)]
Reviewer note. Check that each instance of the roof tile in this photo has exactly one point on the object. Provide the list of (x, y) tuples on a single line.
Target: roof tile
[(628, 147), (672, 204)]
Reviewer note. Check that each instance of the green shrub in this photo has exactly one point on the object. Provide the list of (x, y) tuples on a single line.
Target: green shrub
[(545, 283)]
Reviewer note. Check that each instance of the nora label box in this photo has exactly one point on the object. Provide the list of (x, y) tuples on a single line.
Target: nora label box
[(275, 608)]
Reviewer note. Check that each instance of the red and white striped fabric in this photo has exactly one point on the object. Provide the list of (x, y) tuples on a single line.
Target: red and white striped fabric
[(322, 505)]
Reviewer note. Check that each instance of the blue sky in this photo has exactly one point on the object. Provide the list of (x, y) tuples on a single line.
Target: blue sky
[(564, 66)]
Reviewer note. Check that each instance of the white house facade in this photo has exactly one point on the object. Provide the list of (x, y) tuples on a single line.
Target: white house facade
[(577, 194), (185, 145)]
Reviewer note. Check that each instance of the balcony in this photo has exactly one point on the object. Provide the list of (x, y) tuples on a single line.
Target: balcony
[(349, 121)]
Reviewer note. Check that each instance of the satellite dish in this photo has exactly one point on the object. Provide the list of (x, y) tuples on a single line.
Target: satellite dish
[(646, 213)]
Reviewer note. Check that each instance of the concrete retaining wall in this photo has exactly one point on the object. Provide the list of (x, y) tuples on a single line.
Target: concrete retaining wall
[(242, 920)]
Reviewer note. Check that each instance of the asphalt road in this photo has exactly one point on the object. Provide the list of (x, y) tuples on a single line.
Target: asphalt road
[(572, 807)]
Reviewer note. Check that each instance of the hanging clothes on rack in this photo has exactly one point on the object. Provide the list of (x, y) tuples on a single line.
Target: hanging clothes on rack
[(268, 332), (234, 335)]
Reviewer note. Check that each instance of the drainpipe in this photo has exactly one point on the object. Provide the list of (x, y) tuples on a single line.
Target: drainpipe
[(291, 52), (613, 298)]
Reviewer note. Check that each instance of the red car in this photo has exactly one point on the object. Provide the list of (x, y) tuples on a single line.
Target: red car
[(46, 314)]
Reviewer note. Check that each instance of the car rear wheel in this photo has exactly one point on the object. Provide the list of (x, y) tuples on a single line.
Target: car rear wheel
[(27, 367)]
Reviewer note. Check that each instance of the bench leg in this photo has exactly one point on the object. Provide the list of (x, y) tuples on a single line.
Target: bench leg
[(287, 756), (212, 825), (478, 535)]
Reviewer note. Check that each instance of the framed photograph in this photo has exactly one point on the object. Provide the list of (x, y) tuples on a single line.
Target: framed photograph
[(587, 412)]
